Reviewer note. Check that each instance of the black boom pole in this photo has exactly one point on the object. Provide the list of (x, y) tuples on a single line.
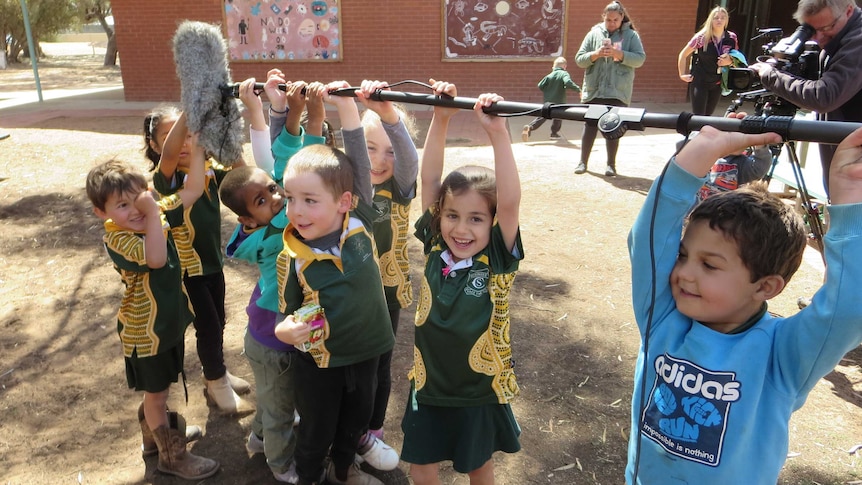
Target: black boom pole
[(788, 127), (613, 121)]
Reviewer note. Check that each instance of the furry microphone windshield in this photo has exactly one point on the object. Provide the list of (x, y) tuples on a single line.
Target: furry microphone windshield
[(200, 54)]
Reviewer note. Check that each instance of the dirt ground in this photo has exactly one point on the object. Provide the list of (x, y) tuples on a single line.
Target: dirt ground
[(66, 415)]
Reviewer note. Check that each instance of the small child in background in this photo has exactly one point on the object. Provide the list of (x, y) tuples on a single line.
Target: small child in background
[(154, 312), (389, 131), (735, 169), (463, 378), (329, 261), (553, 87), (200, 250), (715, 364)]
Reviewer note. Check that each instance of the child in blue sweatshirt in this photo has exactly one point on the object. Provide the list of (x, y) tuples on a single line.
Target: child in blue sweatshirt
[(718, 376)]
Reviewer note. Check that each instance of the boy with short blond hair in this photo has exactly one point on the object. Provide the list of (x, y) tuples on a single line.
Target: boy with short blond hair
[(255, 195), (718, 376), (329, 260)]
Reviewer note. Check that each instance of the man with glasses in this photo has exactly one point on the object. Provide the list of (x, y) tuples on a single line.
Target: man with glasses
[(837, 95)]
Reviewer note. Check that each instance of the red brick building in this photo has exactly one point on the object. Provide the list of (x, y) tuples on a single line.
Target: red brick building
[(397, 40)]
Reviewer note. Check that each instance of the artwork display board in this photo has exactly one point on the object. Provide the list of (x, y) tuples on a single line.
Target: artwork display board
[(504, 29), (283, 30)]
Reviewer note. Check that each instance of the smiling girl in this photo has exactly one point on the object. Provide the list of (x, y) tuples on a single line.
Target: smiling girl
[(462, 378)]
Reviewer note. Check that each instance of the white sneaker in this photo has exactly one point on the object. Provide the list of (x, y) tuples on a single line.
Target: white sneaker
[(295, 417), (380, 455), (254, 443), (355, 476), (289, 476)]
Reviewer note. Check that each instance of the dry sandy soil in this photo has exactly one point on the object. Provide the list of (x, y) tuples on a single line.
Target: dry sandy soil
[(66, 415)]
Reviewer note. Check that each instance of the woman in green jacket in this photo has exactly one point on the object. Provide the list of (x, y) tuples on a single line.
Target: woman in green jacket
[(610, 53)]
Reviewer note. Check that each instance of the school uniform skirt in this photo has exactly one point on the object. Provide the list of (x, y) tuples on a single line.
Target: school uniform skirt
[(467, 436)]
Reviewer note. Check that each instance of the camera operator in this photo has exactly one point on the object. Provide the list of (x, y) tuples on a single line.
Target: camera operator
[(837, 94)]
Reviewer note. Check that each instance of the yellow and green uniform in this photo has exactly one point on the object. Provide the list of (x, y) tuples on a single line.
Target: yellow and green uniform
[(391, 230), (155, 311), (346, 283), (462, 353), (199, 239)]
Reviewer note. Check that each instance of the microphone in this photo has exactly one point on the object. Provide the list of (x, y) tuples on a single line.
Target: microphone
[(200, 54)]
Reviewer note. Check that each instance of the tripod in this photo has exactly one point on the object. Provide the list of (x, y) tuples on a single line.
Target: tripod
[(809, 208)]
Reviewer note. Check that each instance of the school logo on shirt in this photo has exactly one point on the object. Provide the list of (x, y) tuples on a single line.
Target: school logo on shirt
[(383, 210), (477, 282), (688, 408)]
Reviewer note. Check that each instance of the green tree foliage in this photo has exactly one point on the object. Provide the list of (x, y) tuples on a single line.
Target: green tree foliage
[(47, 18)]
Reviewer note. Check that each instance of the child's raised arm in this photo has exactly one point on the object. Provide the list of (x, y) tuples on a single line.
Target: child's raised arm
[(435, 144), (316, 110), (354, 139), (170, 156), (253, 105), (698, 156), (348, 113), (295, 106), (505, 169), (155, 243), (277, 102), (195, 182), (261, 145), (384, 109), (845, 173)]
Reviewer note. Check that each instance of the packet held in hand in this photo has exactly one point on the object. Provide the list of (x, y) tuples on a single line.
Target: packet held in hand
[(313, 315)]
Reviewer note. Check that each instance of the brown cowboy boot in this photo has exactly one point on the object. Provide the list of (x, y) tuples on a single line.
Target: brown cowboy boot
[(175, 421), (175, 459)]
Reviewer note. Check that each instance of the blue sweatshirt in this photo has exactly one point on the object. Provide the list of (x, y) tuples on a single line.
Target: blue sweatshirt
[(717, 405)]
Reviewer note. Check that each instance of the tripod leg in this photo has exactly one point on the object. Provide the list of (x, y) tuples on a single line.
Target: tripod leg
[(811, 209)]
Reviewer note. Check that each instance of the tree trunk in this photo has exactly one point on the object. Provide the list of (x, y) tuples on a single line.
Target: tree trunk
[(111, 50)]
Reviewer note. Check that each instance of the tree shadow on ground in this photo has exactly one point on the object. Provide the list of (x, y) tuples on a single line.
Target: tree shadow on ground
[(842, 385), (625, 182), (793, 474), (64, 220), (116, 125)]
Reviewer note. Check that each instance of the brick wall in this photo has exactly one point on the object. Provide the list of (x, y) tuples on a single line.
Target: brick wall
[(399, 40)]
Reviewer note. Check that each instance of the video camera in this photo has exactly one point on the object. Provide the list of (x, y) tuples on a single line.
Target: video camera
[(794, 55)]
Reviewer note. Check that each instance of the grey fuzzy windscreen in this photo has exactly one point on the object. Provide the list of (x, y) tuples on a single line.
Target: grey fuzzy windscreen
[(200, 54)]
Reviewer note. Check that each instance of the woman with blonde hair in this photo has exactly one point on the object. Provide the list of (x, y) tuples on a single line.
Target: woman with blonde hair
[(709, 51)]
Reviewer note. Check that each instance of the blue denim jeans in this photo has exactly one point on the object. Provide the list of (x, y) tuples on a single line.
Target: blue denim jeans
[(274, 386)]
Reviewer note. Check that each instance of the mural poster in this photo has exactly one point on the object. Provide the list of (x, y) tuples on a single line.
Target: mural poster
[(490, 29), (283, 30)]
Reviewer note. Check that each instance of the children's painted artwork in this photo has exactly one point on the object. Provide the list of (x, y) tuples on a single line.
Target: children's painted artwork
[(490, 29), (283, 30)]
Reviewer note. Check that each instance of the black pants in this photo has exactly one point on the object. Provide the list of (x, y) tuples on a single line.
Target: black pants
[(704, 97), (206, 294), (591, 130), (556, 124), (335, 406), (384, 379)]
